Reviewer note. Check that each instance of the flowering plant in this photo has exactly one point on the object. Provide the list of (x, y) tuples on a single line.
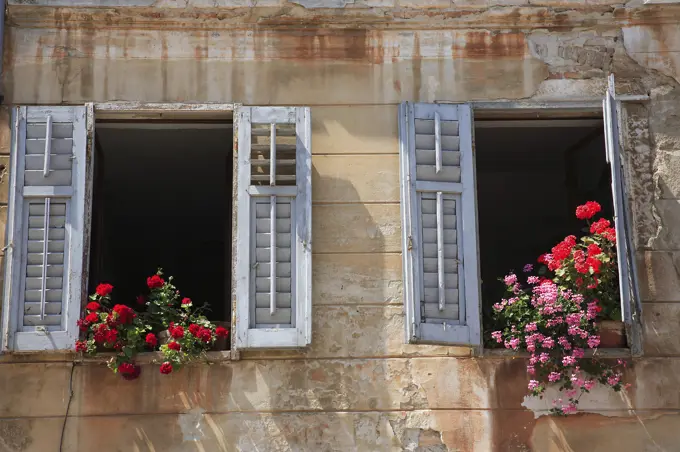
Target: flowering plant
[(555, 318), (127, 332)]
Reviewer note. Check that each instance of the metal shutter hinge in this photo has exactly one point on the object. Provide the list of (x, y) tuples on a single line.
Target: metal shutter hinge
[(410, 243)]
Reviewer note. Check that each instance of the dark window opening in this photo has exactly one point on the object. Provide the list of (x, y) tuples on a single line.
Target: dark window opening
[(162, 198), (531, 176)]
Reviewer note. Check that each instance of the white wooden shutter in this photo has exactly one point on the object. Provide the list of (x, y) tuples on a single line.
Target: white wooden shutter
[(631, 307), (274, 223), (439, 224), (43, 280)]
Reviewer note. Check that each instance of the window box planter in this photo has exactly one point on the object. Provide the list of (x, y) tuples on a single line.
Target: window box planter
[(612, 334)]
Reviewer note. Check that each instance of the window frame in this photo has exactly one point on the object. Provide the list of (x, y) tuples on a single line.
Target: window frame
[(555, 110), (135, 111)]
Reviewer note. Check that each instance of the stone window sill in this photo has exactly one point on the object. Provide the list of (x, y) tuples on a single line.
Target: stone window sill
[(142, 358), (602, 353)]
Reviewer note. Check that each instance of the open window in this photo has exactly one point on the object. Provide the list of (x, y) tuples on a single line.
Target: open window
[(500, 206), (113, 195)]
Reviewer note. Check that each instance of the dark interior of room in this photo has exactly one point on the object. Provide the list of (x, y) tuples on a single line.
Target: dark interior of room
[(162, 198), (531, 176)]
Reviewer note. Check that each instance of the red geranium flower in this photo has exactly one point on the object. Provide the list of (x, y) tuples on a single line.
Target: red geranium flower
[(174, 346), (221, 331), (81, 346), (104, 289), (194, 329), (110, 336), (129, 371), (151, 340), (82, 325), (205, 335), (587, 210), (186, 301), (125, 313), (93, 306), (166, 368), (609, 234), (599, 226), (176, 332), (155, 282), (92, 317), (594, 250)]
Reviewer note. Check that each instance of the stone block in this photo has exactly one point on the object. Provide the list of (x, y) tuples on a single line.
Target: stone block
[(667, 212), (620, 431), (660, 322), (357, 279), (31, 434), (34, 389), (659, 275), (655, 382), (355, 178), (356, 228), (359, 332), (355, 129)]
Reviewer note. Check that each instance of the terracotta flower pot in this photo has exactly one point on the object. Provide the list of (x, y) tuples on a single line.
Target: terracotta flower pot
[(221, 343), (612, 334)]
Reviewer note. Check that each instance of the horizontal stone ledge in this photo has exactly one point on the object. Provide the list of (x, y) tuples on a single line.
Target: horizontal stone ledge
[(351, 431)]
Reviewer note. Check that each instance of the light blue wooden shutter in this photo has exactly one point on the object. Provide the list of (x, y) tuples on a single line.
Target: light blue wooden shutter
[(631, 306), (274, 216), (439, 224), (43, 286)]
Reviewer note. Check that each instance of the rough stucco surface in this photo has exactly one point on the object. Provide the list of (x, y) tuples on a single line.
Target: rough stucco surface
[(358, 387)]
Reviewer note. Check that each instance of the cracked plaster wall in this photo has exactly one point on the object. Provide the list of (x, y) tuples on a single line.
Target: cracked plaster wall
[(358, 387)]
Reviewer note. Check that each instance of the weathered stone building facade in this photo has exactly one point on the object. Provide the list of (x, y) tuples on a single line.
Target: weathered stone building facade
[(358, 386)]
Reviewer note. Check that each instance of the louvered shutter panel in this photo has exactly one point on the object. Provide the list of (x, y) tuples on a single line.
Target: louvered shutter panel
[(441, 275), (273, 270), (44, 272), (631, 306)]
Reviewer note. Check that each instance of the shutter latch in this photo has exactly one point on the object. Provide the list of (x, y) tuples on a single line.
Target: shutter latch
[(41, 329), (410, 243)]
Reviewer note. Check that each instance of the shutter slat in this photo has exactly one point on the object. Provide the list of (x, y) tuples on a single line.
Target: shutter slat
[(282, 316), (263, 240), (36, 270), (57, 162), (38, 233), (262, 284), (51, 308), (430, 236), (429, 220), (56, 221), (54, 295), (59, 146), (282, 254), (36, 178), (447, 174), (427, 142), (283, 299), (53, 246), (431, 281), (283, 269), (48, 320), (426, 126), (427, 157), (430, 264), (52, 282), (59, 130), (262, 225), (432, 310)]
